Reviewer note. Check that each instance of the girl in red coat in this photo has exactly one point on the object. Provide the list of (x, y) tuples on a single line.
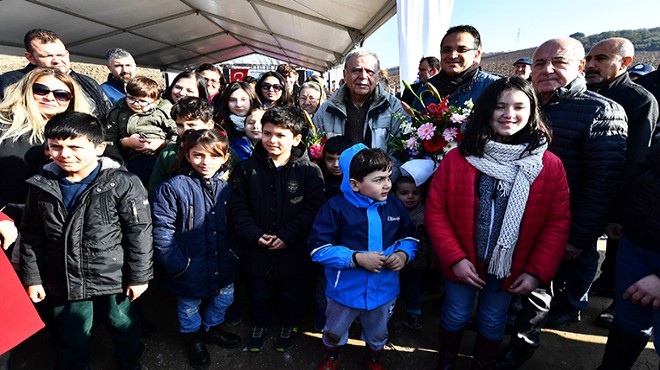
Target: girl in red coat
[(497, 215)]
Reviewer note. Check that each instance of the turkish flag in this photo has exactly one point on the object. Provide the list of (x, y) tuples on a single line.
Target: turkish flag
[(238, 74)]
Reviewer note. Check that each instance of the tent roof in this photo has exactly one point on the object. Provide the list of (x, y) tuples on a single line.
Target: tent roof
[(181, 34)]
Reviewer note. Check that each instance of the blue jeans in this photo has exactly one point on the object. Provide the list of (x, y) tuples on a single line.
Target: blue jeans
[(492, 307), (633, 263), (373, 322), (572, 281), (188, 310)]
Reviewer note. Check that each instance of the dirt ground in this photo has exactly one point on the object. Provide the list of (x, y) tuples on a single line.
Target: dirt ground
[(576, 346)]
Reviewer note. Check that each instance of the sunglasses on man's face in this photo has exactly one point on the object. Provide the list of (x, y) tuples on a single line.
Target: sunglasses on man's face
[(59, 94), (267, 86)]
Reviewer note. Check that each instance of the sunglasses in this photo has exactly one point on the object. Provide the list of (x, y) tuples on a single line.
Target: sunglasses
[(267, 86), (43, 90)]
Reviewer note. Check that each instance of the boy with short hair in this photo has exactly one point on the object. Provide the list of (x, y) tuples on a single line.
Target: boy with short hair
[(277, 192), (139, 126), (86, 242), (332, 174), (189, 113), (364, 238)]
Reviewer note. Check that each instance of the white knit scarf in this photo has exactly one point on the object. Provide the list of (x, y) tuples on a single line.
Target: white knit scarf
[(515, 174)]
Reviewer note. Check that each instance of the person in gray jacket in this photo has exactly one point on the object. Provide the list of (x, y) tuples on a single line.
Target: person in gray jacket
[(361, 110)]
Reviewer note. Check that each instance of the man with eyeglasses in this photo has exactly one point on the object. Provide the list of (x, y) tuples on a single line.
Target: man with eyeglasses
[(43, 48), (361, 109), (461, 76), (589, 136), (122, 68), (428, 67)]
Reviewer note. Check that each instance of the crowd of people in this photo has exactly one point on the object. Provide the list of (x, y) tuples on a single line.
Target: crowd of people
[(106, 187)]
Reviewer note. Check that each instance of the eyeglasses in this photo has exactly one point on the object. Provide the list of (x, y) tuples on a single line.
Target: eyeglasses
[(213, 82), (458, 50), (311, 99), (59, 94), (141, 102), (267, 86), (556, 62)]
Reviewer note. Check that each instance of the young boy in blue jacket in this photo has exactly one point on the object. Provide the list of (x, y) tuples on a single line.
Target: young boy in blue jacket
[(362, 278)]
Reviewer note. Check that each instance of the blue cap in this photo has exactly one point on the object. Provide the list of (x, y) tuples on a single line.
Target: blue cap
[(641, 69), (527, 61)]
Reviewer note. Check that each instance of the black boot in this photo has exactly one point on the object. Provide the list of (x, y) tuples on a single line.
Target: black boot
[(449, 343), (622, 349), (513, 356), (222, 338), (198, 356), (485, 351)]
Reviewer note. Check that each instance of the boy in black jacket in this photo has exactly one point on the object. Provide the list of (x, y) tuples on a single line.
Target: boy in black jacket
[(276, 194), (86, 242)]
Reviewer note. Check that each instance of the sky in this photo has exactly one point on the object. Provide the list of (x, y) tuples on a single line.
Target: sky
[(499, 22)]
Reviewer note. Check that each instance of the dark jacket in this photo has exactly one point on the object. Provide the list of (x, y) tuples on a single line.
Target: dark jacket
[(589, 136), (651, 82), (408, 96), (93, 94), (275, 201), (191, 238), (104, 245), (641, 219), (469, 90), (642, 112)]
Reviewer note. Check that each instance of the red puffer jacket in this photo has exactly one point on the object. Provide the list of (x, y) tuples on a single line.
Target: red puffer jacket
[(451, 211)]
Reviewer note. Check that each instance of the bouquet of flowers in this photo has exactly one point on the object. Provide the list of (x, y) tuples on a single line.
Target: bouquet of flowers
[(315, 140), (431, 133)]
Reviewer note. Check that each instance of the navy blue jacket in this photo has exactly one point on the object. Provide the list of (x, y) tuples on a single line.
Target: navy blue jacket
[(191, 239), (589, 136)]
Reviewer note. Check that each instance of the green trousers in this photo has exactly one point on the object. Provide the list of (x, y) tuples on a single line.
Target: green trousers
[(73, 324)]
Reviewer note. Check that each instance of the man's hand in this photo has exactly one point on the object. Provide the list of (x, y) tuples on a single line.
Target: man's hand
[(395, 261), (524, 284), (572, 252), (614, 230), (645, 291), (466, 273), (36, 293), (371, 261), (265, 240), (276, 243), (8, 232), (134, 292)]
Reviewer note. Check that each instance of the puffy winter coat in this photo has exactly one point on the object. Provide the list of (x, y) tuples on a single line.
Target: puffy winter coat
[(452, 207), (192, 242), (276, 201), (344, 226), (104, 245), (589, 136)]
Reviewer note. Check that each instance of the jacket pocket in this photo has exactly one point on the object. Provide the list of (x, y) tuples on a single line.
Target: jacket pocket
[(184, 269)]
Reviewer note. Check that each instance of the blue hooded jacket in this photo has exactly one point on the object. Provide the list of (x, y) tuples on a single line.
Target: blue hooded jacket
[(350, 223)]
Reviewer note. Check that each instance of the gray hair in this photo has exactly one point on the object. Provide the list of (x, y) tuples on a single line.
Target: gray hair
[(117, 53), (361, 53)]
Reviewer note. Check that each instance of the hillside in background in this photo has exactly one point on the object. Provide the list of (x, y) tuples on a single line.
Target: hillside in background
[(644, 39)]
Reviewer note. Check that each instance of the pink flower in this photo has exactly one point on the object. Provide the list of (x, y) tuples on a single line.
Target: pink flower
[(458, 118), (450, 133), (411, 143), (316, 151), (425, 131)]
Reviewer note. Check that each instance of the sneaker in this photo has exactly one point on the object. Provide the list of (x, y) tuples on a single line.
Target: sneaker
[(605, 319), (330, 359), (257, 339), (286, 339), (413, 322), (560, 319)]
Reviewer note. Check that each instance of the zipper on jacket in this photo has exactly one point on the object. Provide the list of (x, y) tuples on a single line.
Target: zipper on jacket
[(184, 269), (233, 253), (191, 214), (135, 211)]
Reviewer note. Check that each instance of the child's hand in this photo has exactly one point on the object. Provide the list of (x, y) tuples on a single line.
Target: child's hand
[(8, 233), (276, 243), (134, 292), (134, 141), (524, 284), (265, 240), (466, 273), (152, 146), (371, 261), (36, 293), (396, 261)]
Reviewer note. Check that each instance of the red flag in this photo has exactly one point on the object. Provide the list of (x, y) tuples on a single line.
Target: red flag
[(238, 74)]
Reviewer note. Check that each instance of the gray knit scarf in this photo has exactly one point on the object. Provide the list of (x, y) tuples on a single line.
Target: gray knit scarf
[(516, 170)]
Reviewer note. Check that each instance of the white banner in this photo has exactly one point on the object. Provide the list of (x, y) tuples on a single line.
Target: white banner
[(422, 23)]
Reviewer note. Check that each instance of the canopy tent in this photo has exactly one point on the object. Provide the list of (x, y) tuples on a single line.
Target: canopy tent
[(182, 34)]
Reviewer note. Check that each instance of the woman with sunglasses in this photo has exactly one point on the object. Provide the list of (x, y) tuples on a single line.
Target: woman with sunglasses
[(28, 105), (271, 90), (236, 102)]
